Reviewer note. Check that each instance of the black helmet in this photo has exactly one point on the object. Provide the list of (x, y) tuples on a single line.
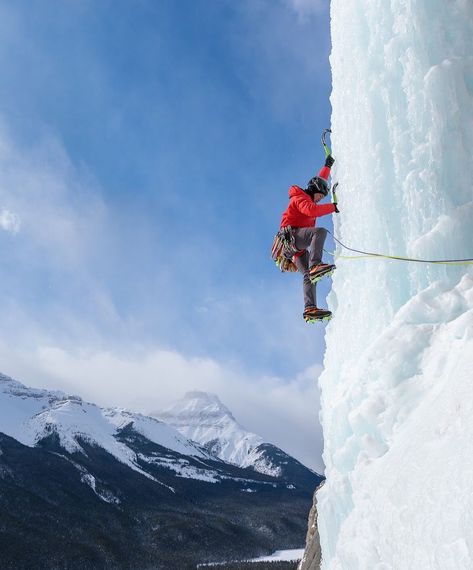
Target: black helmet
[(317, 185)]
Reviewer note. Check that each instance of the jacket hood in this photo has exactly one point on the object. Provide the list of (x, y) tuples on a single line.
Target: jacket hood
[(296, 191)]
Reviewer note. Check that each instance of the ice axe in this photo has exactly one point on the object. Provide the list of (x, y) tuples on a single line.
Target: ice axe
[(324, 144), (327, 152)]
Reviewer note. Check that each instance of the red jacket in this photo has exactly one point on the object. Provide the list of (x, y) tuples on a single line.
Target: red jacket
[(302, 211)]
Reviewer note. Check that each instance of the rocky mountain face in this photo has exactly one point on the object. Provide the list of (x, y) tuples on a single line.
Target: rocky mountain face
[(84, 487), (312, 558), (203, 418)]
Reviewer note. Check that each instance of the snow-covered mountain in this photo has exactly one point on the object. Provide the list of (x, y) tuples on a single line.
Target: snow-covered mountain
[(29, 415), (397, 390), (78, 482), (202, 417)]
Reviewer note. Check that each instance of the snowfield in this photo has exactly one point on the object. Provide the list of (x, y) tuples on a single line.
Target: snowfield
[(397, 388)]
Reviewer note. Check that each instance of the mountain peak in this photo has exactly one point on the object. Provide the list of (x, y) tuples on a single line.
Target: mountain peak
[(7, 381), (202, 417), (201, 394), (29, 415), (198, 405)]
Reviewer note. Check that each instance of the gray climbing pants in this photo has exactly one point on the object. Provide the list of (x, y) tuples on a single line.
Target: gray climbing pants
[(312, 240)]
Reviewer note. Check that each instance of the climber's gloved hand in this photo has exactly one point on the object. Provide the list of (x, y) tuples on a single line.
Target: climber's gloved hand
[(334, 197), (329, 161)]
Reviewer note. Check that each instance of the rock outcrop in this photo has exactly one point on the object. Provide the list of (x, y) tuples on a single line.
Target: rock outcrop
[(312, 554)]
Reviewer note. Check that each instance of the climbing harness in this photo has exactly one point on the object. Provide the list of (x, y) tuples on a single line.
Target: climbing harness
[(283, 249)]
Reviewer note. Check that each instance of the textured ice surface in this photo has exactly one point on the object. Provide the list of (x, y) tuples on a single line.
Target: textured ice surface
[(397, 389)]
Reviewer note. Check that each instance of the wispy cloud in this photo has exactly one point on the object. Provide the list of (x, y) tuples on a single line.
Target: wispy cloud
[(60, 206), (307, 8), (64, 242), (9, 221)]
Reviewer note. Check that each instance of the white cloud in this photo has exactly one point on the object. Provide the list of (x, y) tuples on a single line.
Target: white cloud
[(66, 235), (9, 221), (59, 205), (307, 8)]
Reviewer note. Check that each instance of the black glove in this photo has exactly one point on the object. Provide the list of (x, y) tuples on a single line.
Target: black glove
[(329, 161)]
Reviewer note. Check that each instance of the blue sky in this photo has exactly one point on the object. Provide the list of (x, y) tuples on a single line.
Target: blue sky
[(146, 152)]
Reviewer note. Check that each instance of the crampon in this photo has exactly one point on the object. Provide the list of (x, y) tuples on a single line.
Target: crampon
[(316, 272), (314, 315)]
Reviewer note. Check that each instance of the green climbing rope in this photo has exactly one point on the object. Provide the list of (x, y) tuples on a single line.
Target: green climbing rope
[(370, 254)]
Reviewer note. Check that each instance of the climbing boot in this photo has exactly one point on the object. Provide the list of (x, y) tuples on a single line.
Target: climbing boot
[(316, 272), (312, 315)]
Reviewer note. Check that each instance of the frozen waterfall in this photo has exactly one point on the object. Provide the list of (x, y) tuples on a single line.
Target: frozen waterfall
[(397, 389)]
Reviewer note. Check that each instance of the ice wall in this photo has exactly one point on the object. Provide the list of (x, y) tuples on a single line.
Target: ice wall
[(397, 390)]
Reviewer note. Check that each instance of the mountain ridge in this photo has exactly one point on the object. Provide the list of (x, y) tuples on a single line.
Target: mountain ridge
[(86, 480), (203, 418)]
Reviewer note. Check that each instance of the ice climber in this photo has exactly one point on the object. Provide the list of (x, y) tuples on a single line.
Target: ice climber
[(298, 246)]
